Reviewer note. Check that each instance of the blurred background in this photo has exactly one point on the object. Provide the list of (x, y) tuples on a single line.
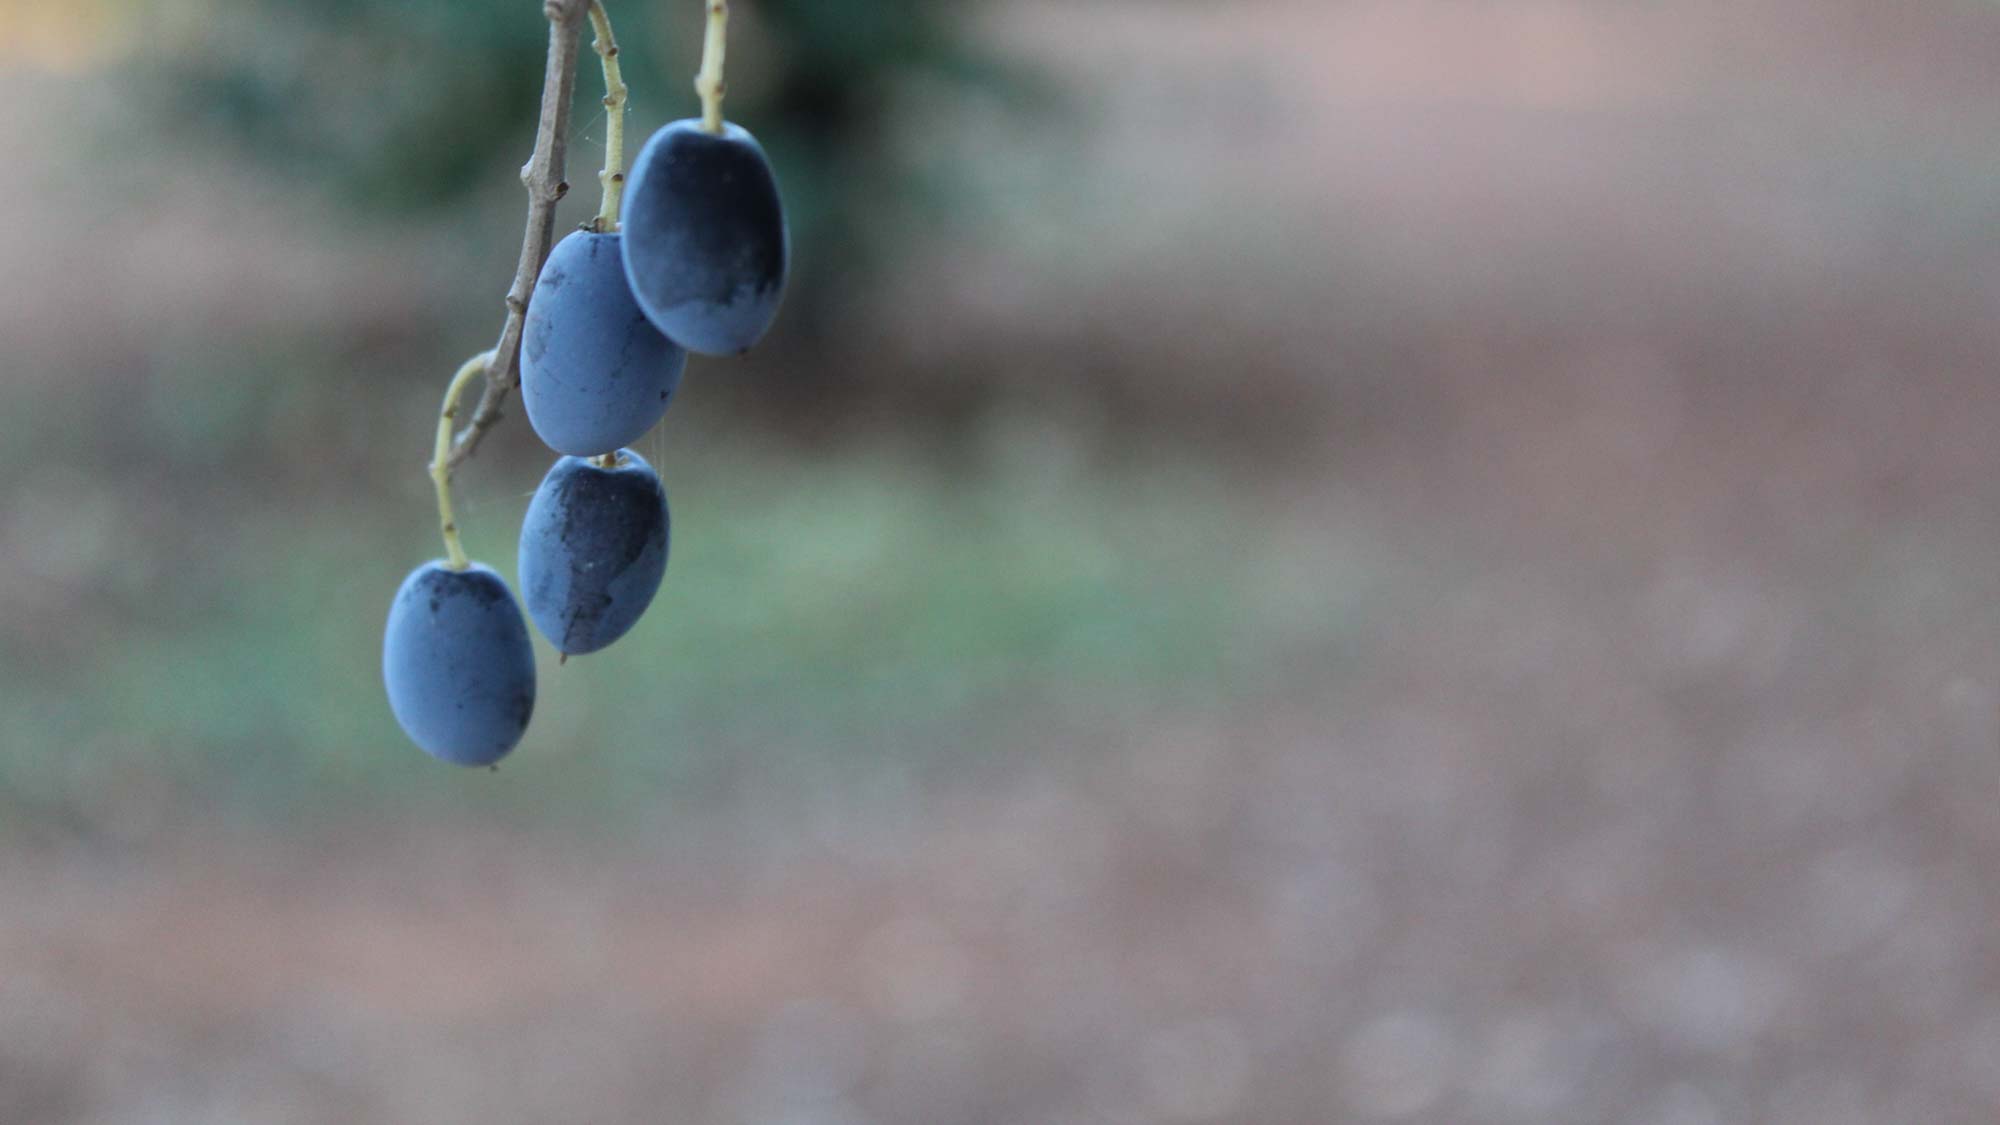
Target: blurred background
[(1287, 561)]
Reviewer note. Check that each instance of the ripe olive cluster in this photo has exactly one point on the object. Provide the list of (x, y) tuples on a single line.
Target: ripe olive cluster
[(696, 263)]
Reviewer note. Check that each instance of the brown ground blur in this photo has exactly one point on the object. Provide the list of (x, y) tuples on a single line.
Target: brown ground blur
[(1644, 354)]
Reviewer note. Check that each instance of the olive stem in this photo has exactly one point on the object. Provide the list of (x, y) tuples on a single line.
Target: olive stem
[(441, 457), (542, 175), (709, 82), (615, 94)]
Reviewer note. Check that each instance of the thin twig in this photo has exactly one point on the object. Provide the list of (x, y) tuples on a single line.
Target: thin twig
[(708, 83), (543, 177), (454, 549), (612, 179)]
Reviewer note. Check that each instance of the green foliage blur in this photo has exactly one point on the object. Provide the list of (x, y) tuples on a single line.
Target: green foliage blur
[(838, 623), (389, 106), (852, 606)]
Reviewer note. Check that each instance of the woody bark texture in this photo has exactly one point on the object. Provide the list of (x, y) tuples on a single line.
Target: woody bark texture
[(543, 177)]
